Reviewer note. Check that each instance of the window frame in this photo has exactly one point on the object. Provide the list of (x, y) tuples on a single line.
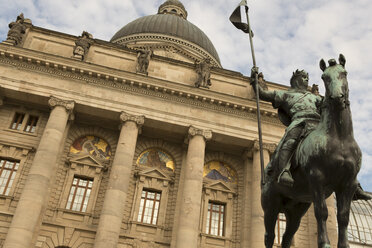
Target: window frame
[(22, 126), (209, 218), (85, 197), (33, 123), (281, 220), (152, 179), (14, 171), (143, 207), (19, 123), (13, 153)]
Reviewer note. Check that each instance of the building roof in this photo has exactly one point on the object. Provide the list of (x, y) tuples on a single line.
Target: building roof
[(171, 20)]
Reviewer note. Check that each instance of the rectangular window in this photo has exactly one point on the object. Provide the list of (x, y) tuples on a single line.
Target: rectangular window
[(8, 170), (280, 228), (216, 219), (149, 207), (17, 121), (79, 194), (31, 124)]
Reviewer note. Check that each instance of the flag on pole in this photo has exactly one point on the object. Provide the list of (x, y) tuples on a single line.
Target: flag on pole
[(236, 17)]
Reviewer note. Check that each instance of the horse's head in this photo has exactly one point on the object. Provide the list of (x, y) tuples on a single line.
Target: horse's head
[(335, 81)]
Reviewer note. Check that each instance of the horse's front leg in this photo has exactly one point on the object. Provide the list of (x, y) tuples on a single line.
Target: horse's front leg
[(321, 214), (344, 198)]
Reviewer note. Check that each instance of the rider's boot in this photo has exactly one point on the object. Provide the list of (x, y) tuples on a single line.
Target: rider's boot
[(360, 194), (285, 154)]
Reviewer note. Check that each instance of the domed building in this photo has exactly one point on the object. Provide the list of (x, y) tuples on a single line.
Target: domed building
[(143, 141), (169, 34)]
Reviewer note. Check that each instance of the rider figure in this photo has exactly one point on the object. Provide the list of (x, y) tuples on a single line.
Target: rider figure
[(299, 110)]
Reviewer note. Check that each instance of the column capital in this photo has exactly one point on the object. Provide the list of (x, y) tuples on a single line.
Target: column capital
[(67, 104), (267, 146), (193, 131), (138, 119)]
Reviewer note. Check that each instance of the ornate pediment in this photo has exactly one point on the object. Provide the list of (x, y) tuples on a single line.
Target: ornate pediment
[(87, 160), (219, 186), (154, 173)]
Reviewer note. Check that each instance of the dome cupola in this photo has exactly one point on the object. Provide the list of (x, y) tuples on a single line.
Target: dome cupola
[(173, 7), (169, 34)]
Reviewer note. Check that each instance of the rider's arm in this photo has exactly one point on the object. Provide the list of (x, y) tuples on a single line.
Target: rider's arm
[(266, 95)]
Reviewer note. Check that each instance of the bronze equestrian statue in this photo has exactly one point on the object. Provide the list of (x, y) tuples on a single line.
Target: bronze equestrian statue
[(316, 157)]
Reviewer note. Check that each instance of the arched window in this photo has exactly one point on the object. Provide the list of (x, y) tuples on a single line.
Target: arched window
[(157, 158), (92, 145), (218, 170)]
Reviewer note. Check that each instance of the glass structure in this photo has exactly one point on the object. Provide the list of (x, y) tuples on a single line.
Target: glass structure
[(360, 222)]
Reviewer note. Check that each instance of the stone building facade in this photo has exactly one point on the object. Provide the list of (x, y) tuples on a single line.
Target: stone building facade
[(112, 144)]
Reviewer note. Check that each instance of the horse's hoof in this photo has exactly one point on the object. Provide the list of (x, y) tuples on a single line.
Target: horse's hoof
[(326, 246)]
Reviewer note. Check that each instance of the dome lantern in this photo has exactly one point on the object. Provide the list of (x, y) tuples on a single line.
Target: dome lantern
[(173, 7)]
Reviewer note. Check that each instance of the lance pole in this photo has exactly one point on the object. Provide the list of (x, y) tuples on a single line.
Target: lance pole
[(257, 100)]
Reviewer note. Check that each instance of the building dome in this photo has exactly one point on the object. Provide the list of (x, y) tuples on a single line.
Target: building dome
[(168, 26)]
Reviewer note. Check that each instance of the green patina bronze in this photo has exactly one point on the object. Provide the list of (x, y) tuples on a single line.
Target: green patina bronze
[(317, 156)]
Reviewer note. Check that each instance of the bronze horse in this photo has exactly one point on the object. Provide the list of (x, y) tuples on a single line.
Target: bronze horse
[(327, 160)]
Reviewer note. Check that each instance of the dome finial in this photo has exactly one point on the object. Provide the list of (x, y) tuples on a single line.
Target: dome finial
[(173, 7)]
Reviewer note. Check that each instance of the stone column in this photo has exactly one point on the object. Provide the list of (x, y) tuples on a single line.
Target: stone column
[(116, 194), (188, 229), (257, 217), (32, 203)]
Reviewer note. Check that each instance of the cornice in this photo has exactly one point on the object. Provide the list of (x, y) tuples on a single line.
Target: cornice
[(135, 84), (160, 37)]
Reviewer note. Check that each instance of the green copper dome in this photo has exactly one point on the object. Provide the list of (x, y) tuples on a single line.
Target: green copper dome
[(171, 21)]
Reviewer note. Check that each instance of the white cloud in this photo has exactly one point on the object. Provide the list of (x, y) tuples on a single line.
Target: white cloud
[(288, 35)]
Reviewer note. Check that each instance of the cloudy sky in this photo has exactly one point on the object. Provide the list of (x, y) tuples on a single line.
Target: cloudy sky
[(289, 34)]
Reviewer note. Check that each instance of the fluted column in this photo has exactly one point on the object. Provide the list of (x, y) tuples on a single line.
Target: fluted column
[(116, 194), (257, 216), (27, 218), (188, 229)]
